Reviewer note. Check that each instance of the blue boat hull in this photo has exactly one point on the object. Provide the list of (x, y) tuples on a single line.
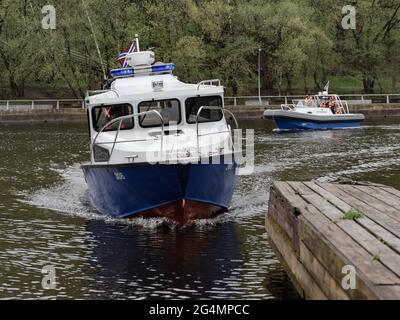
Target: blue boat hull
[(299, 124), (160, 190)]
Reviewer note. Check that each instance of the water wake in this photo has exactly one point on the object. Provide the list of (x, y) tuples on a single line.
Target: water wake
[(70, 197)]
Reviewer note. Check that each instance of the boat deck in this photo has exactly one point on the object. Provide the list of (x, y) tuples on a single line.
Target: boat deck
[(322, 232)]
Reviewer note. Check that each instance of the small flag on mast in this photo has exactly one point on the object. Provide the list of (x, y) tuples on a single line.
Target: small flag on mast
[(122, 56)]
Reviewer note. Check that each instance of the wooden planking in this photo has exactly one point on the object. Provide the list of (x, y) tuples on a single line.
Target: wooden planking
[(327, 242), (391, 191), (329, 285), (348, 251), (388, 292), (313, 198), (362, 236), (339, 241), (301, 278), (371, 201), (284, 213), (378, 231), (378, 217), (382, 195), (337, 202), (333, 262)]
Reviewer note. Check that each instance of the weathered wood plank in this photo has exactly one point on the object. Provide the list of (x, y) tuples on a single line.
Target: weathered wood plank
[(338, 241), (388, 292), (327, 242), (378, 231), (378, 217), (311, 197), (364, 238), (380, 194), (393, 191), (284, 212), (371, 201), (302, 280), (338, 203), (324, 280), (333, 262), (341, 242)]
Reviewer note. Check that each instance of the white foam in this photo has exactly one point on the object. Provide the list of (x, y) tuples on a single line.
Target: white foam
[(70, 197)]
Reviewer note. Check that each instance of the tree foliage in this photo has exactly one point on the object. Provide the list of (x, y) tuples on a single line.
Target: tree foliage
[(303, 42)]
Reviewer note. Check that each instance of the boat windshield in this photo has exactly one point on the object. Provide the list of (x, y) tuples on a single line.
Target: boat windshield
[(193, 105), (170, 110), (327, 101), (306, 103), (102, 115)]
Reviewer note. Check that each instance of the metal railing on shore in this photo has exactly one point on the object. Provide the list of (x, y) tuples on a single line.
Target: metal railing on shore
[(285, 99), (56, 104), (47, 104)]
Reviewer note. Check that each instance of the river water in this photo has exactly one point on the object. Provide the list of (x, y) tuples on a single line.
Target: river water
[(46, 218)]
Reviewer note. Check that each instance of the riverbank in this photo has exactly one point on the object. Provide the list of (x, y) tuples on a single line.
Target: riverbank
[(72, 115)]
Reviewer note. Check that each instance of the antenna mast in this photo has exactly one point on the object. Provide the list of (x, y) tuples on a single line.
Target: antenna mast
[(95, 39), (137, 42)]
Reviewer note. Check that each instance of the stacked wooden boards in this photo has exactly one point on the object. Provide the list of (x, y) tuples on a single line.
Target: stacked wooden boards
[(325, 233)]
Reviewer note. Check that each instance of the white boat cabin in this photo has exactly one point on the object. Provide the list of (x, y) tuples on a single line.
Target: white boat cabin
[(146, 114)]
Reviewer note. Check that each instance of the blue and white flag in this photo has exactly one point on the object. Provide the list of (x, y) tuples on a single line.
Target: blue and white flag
[(122, 56)]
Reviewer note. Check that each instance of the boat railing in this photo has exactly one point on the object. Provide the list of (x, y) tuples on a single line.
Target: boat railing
[(119, 121), (213, 133), (344, 105), (211, 82)]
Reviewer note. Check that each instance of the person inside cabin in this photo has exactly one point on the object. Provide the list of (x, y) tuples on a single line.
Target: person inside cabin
[(307, 100), (111, 113), (332, 105)]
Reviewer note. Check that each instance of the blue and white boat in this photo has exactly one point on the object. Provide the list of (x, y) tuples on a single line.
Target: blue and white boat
[(159, 147), (320, 112)]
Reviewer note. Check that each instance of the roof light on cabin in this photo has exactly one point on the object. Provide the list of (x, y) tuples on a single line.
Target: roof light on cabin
[(147, 70), (124, 72), (160, 68)]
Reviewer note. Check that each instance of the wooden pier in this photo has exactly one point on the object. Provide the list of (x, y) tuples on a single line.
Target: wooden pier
[(326, 233)]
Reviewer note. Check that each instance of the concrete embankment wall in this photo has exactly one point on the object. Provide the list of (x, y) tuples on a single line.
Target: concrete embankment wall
[(241, 112), (37, 116)]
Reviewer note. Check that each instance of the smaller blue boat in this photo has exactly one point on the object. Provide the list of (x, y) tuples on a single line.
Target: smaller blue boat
[(319, 112)]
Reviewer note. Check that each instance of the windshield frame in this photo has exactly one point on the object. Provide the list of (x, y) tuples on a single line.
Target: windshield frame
[(188, 114), (140, 118), (94, 123)]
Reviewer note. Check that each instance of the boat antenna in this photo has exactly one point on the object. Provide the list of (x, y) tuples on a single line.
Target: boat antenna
[(326, 88), (95, 39), (137, 42)]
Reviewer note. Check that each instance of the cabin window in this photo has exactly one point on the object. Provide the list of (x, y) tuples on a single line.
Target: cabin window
[(170, 110), (102, 115), (206, 115)]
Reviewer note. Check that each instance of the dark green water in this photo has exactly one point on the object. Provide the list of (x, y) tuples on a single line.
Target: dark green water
[(46, 218)]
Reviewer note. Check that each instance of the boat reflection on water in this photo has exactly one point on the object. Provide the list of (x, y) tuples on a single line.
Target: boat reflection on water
[(195, 263), (322, 134), (161, 263)]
